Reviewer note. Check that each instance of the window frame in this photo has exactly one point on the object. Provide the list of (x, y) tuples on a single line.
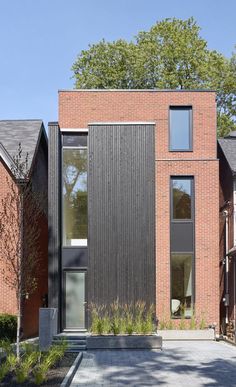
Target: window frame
[(184, 220), (179, 252), (80, 147), (190, 109), (192, 254)]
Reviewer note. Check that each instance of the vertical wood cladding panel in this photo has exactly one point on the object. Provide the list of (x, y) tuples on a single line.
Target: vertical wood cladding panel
[(121, 208), (54, 221)]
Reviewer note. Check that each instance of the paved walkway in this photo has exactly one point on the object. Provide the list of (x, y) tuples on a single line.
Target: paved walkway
[(185, 364)]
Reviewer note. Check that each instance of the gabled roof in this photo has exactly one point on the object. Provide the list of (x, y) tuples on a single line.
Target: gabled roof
[(24, 132), (228, 146)]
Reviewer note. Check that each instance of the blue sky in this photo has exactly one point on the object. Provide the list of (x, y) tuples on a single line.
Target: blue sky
[(40, 39)]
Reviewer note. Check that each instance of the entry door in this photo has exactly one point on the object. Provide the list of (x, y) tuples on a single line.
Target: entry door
[(74, 314)]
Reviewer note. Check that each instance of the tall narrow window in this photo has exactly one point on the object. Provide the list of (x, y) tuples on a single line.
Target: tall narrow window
[(180, 128), (75, 219), (182, 246)]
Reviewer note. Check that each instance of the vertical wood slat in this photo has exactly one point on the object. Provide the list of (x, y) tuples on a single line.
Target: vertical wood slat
[(121, 208)]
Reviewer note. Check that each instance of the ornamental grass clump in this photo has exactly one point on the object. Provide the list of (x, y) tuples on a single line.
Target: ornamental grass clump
[(139, 316), (48, 360), (148, 323), (25, 367), (32, 362), (128, 319), (118, 318)]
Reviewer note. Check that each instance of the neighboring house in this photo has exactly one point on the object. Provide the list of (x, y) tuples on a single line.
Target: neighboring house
[(227, 156), (33, 139), (133, 203)]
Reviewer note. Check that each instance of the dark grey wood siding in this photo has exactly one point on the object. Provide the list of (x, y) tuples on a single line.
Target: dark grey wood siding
[(121, 208), (54, 219)]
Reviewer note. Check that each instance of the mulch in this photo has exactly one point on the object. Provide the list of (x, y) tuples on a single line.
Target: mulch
[(55, 375)]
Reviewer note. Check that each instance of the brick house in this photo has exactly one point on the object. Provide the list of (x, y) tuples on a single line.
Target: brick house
[(133, 203), (227, 157), (32, 137)]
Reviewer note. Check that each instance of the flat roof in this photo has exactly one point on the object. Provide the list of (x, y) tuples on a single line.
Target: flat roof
[(140, 90)]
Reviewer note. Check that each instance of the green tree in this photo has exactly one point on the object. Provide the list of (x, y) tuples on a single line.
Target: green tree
[(171, 55)]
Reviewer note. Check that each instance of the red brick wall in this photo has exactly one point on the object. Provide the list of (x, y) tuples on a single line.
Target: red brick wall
[(78, 108), (8, 302), (35, 301)]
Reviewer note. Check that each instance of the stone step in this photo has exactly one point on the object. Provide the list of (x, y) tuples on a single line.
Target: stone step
[(73, 341), (76, 343)]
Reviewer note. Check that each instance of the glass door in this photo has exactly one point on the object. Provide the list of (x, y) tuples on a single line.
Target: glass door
[(74, 305)]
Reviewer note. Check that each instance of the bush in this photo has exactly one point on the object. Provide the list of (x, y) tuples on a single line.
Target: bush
[(119, 318), (8, 324)]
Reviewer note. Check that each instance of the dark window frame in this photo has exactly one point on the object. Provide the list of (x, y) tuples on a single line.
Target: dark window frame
[(193, 252), (82, 133), (190, 109), (172, 219)]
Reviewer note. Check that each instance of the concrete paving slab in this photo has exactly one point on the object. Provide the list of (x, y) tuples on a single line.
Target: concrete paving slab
[(193, 364)]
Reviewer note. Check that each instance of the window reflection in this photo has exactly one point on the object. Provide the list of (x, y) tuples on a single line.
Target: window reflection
[(180, 121), (75, 224), (181, 197), (181, 285)]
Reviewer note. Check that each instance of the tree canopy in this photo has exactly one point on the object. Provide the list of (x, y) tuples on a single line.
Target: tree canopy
[(171, 55)]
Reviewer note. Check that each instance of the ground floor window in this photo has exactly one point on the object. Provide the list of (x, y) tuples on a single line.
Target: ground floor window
[(181, 284)]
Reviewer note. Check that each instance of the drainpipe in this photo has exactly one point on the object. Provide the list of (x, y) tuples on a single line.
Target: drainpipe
[(226, 266), (234, 301), (234, 227)]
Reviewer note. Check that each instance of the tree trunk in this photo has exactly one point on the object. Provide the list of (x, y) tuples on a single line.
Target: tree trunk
[(18, 328), (20, 288)]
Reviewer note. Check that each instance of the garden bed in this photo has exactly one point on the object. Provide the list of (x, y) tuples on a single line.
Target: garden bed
[(55, 375)]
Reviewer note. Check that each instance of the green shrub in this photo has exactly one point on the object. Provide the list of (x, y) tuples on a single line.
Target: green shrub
[(193, 322), (12, 361), (8, 325), (4, 369), (40, 373), (138, 316), (25, 366), (170, 324), (105, 324), (47, 361), (202, 324), (129, 326), (182, 324), (148, 325), (122, 318), (6, 346)]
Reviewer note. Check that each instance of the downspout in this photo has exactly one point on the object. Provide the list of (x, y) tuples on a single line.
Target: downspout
[(234, 230), (234, 301), (226, 266)]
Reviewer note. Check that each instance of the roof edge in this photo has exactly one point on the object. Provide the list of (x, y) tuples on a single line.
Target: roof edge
[(140, 90)]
